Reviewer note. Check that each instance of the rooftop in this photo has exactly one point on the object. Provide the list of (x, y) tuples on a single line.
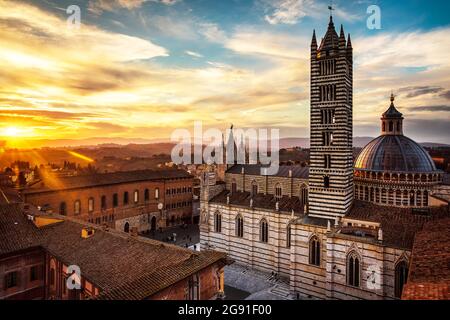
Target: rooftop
[(54, 183), (121, 265), (399, 225), (255, 169), (429, 275), (260, 201)]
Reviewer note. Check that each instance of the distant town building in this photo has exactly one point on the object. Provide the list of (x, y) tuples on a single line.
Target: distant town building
[(39, 253), (142, 200)]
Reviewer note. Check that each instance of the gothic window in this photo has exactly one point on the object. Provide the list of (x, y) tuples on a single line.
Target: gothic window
[(288, 236), (353, 270), (125, 198), (217, 222), (77, 207), (146, 195), (326, 182), (304, 194), (239, 226), (254, 188), (264, 231), (314, 251), (91, 205), (63, 209), (401, 277), (278, 192)]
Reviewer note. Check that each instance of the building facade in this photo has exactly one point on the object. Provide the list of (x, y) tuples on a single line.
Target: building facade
[(337, 243), (140, 200)]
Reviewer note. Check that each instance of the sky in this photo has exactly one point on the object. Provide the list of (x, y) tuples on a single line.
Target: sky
[(143, 68)]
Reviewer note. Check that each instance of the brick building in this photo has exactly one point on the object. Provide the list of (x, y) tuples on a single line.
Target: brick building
[(38, 253), (144, 200)]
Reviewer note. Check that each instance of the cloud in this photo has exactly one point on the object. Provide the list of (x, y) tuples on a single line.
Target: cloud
[(287, 11), (98, 6), (193, 54), (212, 32), (445, 108), (413, 92)]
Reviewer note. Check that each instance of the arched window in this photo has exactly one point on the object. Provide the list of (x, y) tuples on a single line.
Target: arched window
[(125, 198), (278, 191), (91, 205), (194, 287), (353, 270), (314, 251), (126, 228), (136, 196), (157, 193), (103, 202), (239, 226), (77, 207), (391, 126), (304, 194), (217, 222), (254, 188), (146, 195), (384, 126), (233, 186), (63, 209), (401, 277), (288, 236), (115, 200), (264, 231)]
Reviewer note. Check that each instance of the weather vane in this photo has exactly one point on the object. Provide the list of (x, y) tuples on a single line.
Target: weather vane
[(330, 7)]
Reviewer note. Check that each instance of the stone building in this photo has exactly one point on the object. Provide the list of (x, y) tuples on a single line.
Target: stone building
[(39, 253), (141, 200), (336, 243)]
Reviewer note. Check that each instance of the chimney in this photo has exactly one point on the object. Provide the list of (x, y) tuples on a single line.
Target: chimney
[(251, 203), (328, 226), (380, 234), (87, 232), (228, 199)]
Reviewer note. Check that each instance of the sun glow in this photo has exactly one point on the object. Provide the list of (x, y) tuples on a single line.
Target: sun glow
[(11, 132)]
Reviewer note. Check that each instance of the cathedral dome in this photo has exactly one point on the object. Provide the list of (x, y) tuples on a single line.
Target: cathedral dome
[(394, 153)]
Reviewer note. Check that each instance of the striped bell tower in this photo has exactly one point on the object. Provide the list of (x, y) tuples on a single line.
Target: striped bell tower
[(331, 157)]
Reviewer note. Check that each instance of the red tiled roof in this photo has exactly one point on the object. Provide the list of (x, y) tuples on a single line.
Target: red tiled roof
[(122, 266), (92, 180), (429, 275)]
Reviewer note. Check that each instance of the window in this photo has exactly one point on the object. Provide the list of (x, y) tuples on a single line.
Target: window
[(327, 161), (91, 205), (194, 288), (233, 187), (353, 270), (115, 200), (391, 126), (401, 277), (77, 207), (103, 202), (264, 231), (52, 276), (288, 236), (63, 209), (136, 196), (146, 195), (11, 280), (314, 251), (328, 116), (125, 198), (239, 226), (304, 194), (35, 273), (278, 192), (326, 182), (217, 222), (254, 188), (157, 193), (327, 138)]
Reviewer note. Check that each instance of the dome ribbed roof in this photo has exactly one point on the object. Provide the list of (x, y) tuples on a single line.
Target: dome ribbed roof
[(395, 153)]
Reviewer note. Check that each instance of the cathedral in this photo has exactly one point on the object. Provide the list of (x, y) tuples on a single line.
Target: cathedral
[(340, 228)]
